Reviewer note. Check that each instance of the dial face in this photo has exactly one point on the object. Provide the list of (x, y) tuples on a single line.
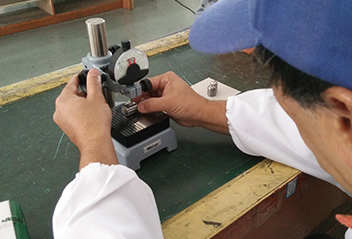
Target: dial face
[(126, 59)]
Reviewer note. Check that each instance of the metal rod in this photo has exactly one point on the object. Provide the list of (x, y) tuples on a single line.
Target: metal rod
[(129, 108), (97, 37)]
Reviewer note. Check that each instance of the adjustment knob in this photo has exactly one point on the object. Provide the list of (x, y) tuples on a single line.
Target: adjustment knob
[(114, 48), (82, 78), (146, 85), (126, 45)]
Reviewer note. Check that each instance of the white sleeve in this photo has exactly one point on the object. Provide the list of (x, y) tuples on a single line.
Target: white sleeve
[(348, 234), (106, 202), (259, 126)]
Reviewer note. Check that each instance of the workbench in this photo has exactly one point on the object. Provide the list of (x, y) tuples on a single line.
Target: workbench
[(21, 15), (206, 188)]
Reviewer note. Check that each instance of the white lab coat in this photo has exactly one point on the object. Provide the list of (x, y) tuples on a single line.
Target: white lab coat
[(106, 202)]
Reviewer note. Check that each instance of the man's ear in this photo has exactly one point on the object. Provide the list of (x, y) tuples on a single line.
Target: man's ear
[(340, 101)]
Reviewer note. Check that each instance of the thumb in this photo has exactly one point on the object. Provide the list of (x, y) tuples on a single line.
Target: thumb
[(345, 220), (94, 83), (150, 105)]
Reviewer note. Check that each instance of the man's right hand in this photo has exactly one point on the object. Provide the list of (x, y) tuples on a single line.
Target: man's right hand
[(175, 97)]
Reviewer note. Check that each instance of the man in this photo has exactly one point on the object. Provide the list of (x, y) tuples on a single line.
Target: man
[(304, 121)]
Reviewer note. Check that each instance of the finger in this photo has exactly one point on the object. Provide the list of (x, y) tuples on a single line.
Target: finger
[(151, 105), (345, 219), (159, 82), (72, 86), (94, 88)]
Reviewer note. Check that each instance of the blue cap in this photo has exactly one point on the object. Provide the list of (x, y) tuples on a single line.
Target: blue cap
[(312, 35)]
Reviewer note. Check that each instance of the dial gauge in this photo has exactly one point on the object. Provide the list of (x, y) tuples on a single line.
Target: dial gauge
[(126, 59)]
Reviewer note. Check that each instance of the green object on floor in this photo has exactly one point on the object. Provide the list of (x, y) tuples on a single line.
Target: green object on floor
[(12, 222)]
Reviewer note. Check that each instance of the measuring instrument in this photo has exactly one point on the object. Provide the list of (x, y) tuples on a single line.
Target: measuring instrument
[(122, 68)]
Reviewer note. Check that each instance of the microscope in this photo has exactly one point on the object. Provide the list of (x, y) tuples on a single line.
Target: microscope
[(135, 136)]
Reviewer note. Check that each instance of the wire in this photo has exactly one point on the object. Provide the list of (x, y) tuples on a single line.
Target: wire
[(185, 7)]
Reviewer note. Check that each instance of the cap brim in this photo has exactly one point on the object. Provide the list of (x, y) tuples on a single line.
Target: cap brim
[(210, 32)]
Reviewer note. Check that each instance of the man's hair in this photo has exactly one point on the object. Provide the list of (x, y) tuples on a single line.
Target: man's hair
[(304, 88)]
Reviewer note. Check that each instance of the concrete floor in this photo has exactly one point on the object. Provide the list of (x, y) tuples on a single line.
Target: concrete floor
[(35, 52)]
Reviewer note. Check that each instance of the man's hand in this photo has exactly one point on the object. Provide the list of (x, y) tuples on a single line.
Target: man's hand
[(174, 96), (86, 120)]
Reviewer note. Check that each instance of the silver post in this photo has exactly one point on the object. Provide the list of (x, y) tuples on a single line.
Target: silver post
[(212, 88), (97, 37)]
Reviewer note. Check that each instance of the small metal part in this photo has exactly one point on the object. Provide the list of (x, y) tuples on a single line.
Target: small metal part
[(212, 88), (109, 97), (129, 108), (97, 37)]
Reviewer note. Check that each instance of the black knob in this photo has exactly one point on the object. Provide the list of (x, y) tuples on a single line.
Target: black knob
[(126, 45), (82, 77), (146, 85), (114, 48)]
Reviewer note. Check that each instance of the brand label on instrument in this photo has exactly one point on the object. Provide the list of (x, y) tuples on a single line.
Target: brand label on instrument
[(152, 146)]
